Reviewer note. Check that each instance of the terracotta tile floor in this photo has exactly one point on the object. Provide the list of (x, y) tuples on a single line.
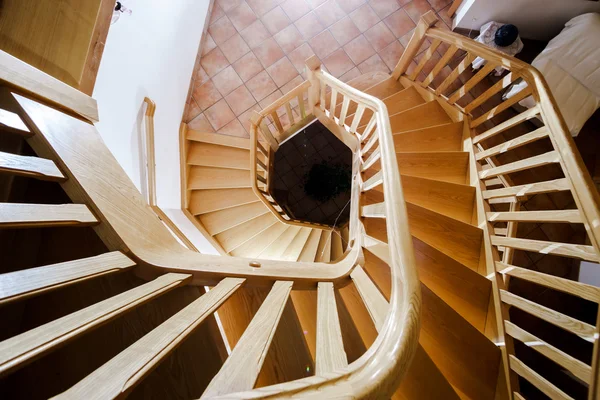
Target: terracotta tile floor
[(254, 51)]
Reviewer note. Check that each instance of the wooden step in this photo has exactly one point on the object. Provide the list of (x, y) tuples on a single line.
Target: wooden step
[(309, 252), (236, 236), (219, 221), (532, 162), (419, 117), (577, 251), (324, 249), (403, 100), (275, 250), (442, 166), (119, 376), (345, 237), (241, 369), (212, 155), (32, 167), (215, 138), (451, 199), (33, 281), (468, 359), (21, 215), (204, 201), (217, 178), (293, 251), (374, 300), (336, 246), (385, 88), (38, 341), (253, 247), (446, 137), (557, 185), (330, 347)]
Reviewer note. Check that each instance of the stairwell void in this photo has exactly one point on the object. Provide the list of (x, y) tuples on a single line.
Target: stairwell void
[(312, 176)]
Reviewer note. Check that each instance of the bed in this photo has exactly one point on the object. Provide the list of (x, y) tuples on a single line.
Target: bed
[(570, 64)]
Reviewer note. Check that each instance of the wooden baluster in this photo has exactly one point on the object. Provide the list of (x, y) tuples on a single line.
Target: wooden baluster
[(301, 105), (537, 380), (501, 84), (277, 122), (258, 120), (344, 113), (426, 57), (557, 185), (466, 88), (577, 251), (373, 181), (369, 129), (290, 114), (462, 67), (440, 65), (330, 348), (513, 144), (376, 210), (332, 104), (357, 118), (426, 21), (313, 65), (376, 304), (501, 107)]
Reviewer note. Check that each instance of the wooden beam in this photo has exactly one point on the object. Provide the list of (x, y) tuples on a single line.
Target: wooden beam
[(566, 216), (527, 163), (376, 304), (560, 249), (33, 281), (513, 144), (330, 348), (21, 215), (556, 185)]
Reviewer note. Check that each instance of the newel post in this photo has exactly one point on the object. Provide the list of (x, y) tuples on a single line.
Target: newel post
[(256, 117), (312, 66), (427, 20)]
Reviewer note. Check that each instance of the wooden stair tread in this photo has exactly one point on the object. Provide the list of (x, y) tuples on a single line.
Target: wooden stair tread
[(213, 155), (209, 200), (218, 221), (385, 88), (330, 347), (33, 167), (309, 251), (241, 369), (25, 215), (276, 249), (443, 166), (236, 236), (292, 252), (119, 375), (445, 137), (254, 246), (47, 337), (324, 248), (421, 116), (33, 281), (403, 100), (217, 178), (215, 138)]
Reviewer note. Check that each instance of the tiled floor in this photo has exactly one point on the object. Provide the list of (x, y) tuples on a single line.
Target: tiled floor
[(294, 160), (254, 51)]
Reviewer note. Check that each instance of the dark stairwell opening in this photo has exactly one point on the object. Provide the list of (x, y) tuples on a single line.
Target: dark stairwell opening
[(312, 177)]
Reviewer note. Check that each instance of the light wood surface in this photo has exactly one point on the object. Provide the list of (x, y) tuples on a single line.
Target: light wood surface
[(119, 376), (563, 249), (556, 185), (218, 221), (445, 137), (212, 155), (330, 348), (33, 167), (31, 344), (205, 201), (371, 296), (33, 281), (243, 365), (14, 215), (537, 380)]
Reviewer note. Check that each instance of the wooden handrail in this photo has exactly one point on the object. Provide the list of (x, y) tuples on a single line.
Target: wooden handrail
[(484, 165)]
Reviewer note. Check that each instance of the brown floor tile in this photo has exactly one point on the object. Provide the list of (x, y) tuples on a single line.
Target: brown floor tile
[(191, 111), (295, 9), (217, 13), (261, 85), (200, 76), (439, 4), (242, 16), (227, 81), (255, 34), (247, 115), (383, 8), (222, 30), (240, 100), (292, 84), (391, 54), (270, 99), (338, 63), (364, 17), (374, 63), (234, 128), (359, 49), (399, 23), (234, 48), (350, 5), (309, 25), (206, 95), (219, 115), (299, 56), (380, 36), (348, 76), (324, 44), (200, 124), (261, 7), (228, 4), (282, 72), (416, 8), (268, 52), (344, 31), (214, 62), (315, 3), (247, 66), (275, 20), (289, 39), (208, 44), (329, 13)]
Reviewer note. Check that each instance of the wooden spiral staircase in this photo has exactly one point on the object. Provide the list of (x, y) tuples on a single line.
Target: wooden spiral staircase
[(421, 296)]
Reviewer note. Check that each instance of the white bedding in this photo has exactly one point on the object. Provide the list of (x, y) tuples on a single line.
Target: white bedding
[(571, 66)]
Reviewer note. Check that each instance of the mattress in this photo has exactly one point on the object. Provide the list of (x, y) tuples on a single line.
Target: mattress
[(571, 66)]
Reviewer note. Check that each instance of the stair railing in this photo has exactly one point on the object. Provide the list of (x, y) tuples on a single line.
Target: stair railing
[(421, 67), (106, 198)]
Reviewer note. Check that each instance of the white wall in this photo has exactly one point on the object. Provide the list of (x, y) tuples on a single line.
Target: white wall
[(150, 53), (536, 19)]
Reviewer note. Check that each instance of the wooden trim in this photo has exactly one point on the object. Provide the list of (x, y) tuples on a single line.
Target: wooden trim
[(21, 215), (149, 155)]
